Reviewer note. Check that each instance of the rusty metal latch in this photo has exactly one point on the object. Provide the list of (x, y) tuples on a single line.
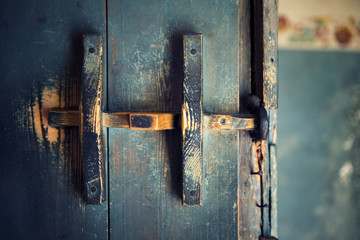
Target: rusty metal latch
[(91, 119)]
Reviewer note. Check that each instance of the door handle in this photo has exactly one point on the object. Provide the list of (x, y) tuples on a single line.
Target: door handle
[(91, 119)]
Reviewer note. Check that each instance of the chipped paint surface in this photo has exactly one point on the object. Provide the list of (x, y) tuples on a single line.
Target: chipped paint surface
[(49, 99)]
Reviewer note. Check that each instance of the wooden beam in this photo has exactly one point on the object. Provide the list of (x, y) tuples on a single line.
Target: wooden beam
[(64, 118), (152, 121), (192, 121), (116, 120), (229, 122), (160, 121), (91, 121), (271, 63)]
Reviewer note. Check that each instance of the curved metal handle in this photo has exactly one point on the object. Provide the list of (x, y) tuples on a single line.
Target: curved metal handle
[(262, 122)]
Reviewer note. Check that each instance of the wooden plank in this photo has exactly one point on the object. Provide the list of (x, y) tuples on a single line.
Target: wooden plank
[(270, 62), (64, 118), (273, 191), (265, 166), (152, 121), (168, 121), (229, 122), (116, 120), (146, 74), (91, 121), (192, 121), (272, 113), (249, 215), (41, 167)]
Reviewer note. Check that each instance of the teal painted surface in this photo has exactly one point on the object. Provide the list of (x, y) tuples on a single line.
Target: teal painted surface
[(318, 148), (41, 56), (146, 74)]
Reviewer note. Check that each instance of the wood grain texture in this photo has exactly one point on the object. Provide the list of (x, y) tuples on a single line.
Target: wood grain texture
[(92, 138), (249, 215), (273, 172), (266, 195), (265, 54), (146, 74), (168, 121), (64, 118), (152, 121), (41, 166), (116, 120), (271, 61), (229, 122), (192, 121), (273, 191)]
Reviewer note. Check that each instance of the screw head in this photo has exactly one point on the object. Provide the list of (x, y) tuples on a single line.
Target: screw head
[(222, 121)]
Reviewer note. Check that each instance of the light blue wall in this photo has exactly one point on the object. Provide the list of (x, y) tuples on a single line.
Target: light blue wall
[(319, 145)]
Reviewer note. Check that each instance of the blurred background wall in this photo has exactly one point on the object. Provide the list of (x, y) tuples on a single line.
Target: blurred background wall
[(319, 119)]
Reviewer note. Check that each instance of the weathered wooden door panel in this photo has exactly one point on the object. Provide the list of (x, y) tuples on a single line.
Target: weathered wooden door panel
[(41, 168), (145, 74)]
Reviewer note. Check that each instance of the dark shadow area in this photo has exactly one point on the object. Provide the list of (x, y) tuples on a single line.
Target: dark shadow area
[(174, 138), (72, 95)]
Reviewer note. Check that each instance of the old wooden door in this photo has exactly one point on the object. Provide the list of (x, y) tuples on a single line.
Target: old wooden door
[(142, 71)]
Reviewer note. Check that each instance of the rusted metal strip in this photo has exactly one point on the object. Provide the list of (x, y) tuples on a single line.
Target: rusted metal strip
[(91, 121), (192, 121)]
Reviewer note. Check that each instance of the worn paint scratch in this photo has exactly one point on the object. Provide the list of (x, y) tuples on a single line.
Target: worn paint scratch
[(49, 99)]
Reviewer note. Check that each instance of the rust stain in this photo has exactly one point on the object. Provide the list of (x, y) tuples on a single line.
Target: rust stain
[(40, 110)]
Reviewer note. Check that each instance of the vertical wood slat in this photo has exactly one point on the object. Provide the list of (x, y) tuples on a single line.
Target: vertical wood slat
[(192, 121), (270, 61), (91, 119), (272, 113), (273, 191), (265, 188)]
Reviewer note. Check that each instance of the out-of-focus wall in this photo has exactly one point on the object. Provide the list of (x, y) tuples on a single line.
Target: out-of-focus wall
[(319, 120), (319, 24)]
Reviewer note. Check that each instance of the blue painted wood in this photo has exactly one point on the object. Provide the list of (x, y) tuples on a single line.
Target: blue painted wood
[(40, 167), (146, 74), (41, 171)]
